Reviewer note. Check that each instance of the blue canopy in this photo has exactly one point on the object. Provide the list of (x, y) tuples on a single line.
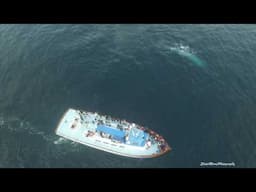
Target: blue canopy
[(116, 133), (138, 137)]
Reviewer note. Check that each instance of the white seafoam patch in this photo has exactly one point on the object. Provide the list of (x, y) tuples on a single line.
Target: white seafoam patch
[(60, 141)]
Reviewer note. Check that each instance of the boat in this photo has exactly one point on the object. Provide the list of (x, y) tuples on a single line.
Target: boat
[(111, 135)]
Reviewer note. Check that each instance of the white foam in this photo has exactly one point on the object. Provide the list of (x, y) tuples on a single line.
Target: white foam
[(60, 141), (179, 47)]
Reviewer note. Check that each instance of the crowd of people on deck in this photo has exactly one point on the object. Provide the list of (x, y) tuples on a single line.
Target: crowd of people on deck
[(159, 139), (89, 134), (124, 125)]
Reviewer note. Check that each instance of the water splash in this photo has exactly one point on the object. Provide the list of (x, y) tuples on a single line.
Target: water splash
[(60, 140), (188, 53)]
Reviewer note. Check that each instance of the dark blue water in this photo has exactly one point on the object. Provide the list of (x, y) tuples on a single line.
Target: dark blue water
[(193, 84)]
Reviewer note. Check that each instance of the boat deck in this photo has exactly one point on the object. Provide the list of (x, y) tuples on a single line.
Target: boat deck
[(81, 127)]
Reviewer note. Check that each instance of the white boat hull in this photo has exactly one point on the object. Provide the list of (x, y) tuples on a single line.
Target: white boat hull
[(79, 134)]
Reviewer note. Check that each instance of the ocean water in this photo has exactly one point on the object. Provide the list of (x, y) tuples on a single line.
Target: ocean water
[(194, 84)]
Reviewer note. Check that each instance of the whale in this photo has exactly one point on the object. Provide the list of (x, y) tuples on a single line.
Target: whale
[(186, 52)]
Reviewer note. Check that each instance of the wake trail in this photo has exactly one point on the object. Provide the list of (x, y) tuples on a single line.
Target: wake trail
[(15, 124)]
